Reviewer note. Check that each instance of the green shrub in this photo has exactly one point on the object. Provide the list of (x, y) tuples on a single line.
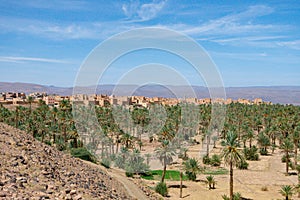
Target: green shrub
[(135, 163), (48, 142), (251, 153), (192, 167), (225, 197), (236, 196), (243, 165), (206, 160), (120, 161), (191, 176), (283, 159), (162, 189), (215, 160), (263, 152), (106, 163), (129, 174), (83, 154)]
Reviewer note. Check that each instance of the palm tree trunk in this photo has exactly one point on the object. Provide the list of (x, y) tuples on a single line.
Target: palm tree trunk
[(207, 145), (75, 142), (298, 184), (295, 153), (164, 172), (65, 134), (287, 162), (231, 181), (117, 145), (43, 134), (54, 138), (180, 185)]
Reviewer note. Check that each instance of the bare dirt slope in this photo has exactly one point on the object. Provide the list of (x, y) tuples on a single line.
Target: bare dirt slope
[(32, 170)]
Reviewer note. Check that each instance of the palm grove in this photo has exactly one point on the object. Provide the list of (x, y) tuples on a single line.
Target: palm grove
[(249, 130)]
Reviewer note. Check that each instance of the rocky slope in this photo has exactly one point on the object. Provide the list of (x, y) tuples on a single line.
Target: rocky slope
[(32, 170)]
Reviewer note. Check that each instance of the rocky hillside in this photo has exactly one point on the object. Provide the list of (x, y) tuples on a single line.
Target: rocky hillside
[(30, 169)]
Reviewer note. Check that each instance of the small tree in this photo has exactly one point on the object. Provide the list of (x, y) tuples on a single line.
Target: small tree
[(135, 163), (232, 156), (162, 189), (287, 191), (211, 182), (251, 153), (264, 142), (192, 167), (287, 147), (215, 160), (165, 154)]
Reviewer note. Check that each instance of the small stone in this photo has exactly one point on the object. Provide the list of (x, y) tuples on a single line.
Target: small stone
[(22, 180), (51, 187), (77, 197), (72, 192), (3, 194), (2, 183), (68, 197), (67, 190)]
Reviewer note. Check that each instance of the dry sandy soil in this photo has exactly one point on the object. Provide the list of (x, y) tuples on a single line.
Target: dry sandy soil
[(267, 172)]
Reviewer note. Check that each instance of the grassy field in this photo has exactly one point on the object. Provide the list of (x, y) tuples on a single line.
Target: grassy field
[(171, 175), (220, 171), (174, 175)]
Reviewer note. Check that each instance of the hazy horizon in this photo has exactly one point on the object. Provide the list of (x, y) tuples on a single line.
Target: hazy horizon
[(111, 84)]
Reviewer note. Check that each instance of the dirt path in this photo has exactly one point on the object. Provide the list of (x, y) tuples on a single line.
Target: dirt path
[(133, 190)]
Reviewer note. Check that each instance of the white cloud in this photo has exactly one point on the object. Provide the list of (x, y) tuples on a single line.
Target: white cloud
[(277, 58), (53, 4), (290, 44), (258, 41), (62, 31), (136, 12), (235, 23), (30, 59)]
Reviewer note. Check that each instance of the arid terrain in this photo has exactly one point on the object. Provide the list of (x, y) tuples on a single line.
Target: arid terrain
[(267, 172), (32, 170)]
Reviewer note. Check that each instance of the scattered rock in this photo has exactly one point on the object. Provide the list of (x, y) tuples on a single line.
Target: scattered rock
[(30, 169)]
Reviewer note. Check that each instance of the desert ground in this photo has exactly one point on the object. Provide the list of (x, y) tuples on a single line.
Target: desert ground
[(262, 180)]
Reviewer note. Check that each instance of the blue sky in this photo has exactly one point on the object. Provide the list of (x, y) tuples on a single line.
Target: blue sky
[(253, 43)]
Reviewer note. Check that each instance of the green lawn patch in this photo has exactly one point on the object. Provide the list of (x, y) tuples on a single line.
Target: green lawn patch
[(220, 171), (171, 175)]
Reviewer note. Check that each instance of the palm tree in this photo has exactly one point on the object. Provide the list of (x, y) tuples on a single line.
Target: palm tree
[(250, 136), (165, 154), (192, 167), (127, 139), (298, 186), (232, 156), (286, 191), (296, 137), (287, 146), (263, 141), (211, 182)]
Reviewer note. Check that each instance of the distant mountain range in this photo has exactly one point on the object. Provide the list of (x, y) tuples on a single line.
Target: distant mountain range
[(275, 94)]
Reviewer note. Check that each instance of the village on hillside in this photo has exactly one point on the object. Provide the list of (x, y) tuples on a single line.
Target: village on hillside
[(17, 98)]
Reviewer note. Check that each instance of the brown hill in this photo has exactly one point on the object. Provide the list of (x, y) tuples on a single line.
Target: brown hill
[(33, 170)]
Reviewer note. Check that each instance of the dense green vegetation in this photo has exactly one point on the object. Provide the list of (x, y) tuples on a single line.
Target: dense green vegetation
[(249, 130)]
